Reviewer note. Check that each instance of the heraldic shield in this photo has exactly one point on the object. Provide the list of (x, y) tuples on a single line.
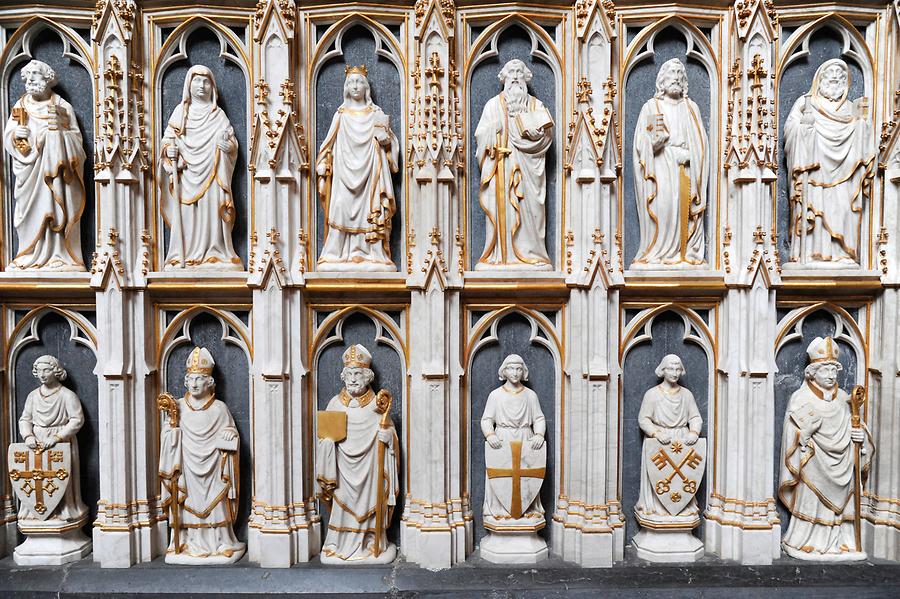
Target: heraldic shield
[(516, 473), (40, 477), (675, 471)]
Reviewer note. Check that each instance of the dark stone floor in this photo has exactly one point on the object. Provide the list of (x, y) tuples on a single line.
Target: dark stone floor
[(475, 578)]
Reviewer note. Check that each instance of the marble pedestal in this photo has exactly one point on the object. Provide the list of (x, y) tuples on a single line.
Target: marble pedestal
[(45, 546), (513, 547), (668, 545), (185, 559)]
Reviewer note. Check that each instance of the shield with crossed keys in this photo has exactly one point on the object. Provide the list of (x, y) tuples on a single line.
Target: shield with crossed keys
[(675, 471), (40, 476)]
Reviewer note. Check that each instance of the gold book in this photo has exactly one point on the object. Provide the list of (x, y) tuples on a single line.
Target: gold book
[(331, 425)]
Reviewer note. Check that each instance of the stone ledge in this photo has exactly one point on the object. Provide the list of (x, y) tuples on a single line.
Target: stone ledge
[(475, 578)]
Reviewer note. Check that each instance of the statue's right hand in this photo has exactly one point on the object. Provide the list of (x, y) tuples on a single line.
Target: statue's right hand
[(171, 152), (494, 441), (321, 169), (663, 437), (22, 132), (31, 442)]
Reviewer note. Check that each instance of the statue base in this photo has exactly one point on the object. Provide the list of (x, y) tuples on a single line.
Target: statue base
[(218, 559), (513, 547), (846, 556), (362, 266), (668, 545), (45, 546), (387, 556)]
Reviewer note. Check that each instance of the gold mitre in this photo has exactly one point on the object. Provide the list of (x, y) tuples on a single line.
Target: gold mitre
[(357, 356), (200, 361), (360, 70), (822, 350)]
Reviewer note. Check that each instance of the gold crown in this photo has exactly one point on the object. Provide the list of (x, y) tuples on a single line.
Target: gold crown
[(356, 356), (199, 362), (822, 350), (360, 70)]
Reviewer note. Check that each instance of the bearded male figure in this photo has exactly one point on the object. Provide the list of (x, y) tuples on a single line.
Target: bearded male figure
[(358, 471), (355, 165), (671, 172), (512, 140), (47, 151), (830, 152)]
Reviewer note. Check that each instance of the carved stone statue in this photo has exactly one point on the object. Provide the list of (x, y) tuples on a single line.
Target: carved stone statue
[(516, 458), (819, 471), (354, 170), (45, 471), (47, 151), (512, 139), (357, 465), (198, 466), (671, 171), (672, 464), (829, 149), (196, 163)]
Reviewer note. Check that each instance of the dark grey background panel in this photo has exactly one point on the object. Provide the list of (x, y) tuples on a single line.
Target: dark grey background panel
[(640, 87), (514, 42), (638, 376), (386, 85), (791, 361), (54, 334), (74, 87), (796, 80), (203, 49), (514, 334), (232, 375), (389, 374)]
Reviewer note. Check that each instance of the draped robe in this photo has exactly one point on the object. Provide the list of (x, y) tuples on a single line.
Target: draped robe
[(671, 200), (202, 234), (678, 415), (836, 155), (515, 229), (45, 418), (360, 185), (49, 187), (208, 477), (817, 484), (351, 466), (512, 417)]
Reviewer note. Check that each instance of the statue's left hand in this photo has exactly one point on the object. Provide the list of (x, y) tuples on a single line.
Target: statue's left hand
[(382, 137), (537, 441), (51, 442), (857, 435), (385, 435), (224, 142), (228, 435), (692, 438)]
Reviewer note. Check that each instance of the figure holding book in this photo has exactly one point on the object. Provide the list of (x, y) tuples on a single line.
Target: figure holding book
[(512, 140), (198, 465), (357, 465), (355, 167)]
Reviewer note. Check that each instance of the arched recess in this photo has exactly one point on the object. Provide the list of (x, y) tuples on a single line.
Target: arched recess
[(649, 335), (796, 329), (536, 338), (62, 48), (383, 335), (353, 41), (228, 339), (70, 336), (830, 36), (200, 40), (662, 40), (515, 36)]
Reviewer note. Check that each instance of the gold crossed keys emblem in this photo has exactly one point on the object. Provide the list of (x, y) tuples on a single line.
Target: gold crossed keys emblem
[(39, 476), (676, 470)]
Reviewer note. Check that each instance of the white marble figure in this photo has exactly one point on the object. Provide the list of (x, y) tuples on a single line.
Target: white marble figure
[(671, 172), (52, 415), (196, 163), (512, 140), (354, 168), (48, 156), (817, 462), (513, 417), (669, 416), (349, 472), (829, 150), (199, 458)]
